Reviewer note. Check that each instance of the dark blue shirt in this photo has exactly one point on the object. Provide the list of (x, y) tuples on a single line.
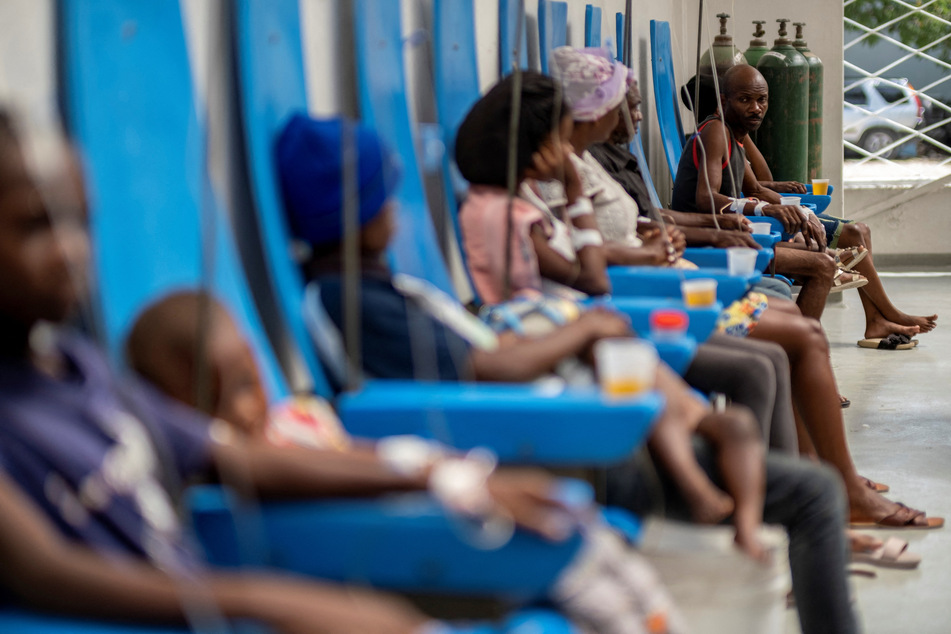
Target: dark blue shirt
[(399, 339), (97, 454)]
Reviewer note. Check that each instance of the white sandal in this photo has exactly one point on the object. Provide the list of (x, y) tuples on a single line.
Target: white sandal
[(854, 281)]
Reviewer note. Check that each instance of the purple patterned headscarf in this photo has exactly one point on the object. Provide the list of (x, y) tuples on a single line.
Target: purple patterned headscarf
[(594, 83)]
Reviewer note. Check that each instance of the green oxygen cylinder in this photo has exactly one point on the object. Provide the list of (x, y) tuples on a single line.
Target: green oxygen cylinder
[(783, 138), (815, 103), (757, 44), (725, 54)]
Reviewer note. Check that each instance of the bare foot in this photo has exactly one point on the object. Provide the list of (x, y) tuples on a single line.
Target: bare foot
[(708, 504), (881, 327), (925, 324)]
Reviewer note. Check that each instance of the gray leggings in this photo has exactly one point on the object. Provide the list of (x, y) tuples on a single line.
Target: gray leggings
[(751, 373)]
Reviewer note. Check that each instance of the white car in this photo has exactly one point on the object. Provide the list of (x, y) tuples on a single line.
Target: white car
[(892, 102)]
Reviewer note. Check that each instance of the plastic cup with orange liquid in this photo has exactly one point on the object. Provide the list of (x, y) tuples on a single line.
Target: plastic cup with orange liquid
[(699, 293), (820, 186), (626, 366)]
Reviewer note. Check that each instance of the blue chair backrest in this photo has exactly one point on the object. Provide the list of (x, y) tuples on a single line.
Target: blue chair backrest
[(619, 35), (381, 84), (637, 149), (131, 107), (271, 86), (456, 79), (552, 28), (665, 94), (513, 33), (592, 25)]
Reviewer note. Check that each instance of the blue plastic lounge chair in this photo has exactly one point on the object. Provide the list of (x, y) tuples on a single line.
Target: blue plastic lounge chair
[(270, 65), (129, 104), (513, 35), (592, 25), (665, 94), (552, 28)]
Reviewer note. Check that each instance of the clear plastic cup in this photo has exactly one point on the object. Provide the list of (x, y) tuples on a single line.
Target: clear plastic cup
[(761, 228), (626, 366), (820, 186), (790, 200), (741, 260), (699, 293)]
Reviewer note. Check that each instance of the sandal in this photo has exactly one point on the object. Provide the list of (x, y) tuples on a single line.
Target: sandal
[(846, 259), (893, 341), (893, 553), (844, 280), (905, 518), (844, 402)]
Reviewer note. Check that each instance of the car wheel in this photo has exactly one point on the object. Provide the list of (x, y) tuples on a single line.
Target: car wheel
[(874, 140)]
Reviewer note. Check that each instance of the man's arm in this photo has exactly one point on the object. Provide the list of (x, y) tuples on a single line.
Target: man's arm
[(44, 572), (720, 238)]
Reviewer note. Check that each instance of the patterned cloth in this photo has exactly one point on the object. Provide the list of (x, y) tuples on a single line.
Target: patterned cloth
[(593, 82), (740, 318)]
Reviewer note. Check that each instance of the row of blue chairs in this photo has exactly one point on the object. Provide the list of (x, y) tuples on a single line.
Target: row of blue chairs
[(131, 106)]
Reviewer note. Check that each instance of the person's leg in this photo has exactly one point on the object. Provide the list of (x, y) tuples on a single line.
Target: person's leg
[(754, 374), (739, 450), (669, 442), (882, 318), (743, 375), (815, 271), (815, 398), (803, 497)]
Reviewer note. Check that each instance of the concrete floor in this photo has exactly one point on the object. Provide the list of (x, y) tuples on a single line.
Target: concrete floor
[(899, 430)]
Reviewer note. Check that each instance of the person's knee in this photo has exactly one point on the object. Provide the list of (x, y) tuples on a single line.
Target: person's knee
[(738, 425), (861, 231), (813, 334)]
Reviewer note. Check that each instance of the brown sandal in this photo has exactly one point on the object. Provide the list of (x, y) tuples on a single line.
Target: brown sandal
[(905, 518)]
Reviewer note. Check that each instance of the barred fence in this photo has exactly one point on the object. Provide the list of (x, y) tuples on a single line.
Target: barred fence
[(897, 93)]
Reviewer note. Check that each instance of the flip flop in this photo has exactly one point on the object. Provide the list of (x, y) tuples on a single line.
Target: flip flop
[(904, 518), (891, 554), (891, 342), (844, 402), (846, 259), (856, 281), (878, 487)]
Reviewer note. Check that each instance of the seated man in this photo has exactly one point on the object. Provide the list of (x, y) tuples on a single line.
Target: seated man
[(882, 317), (713, 171), (404, 334)]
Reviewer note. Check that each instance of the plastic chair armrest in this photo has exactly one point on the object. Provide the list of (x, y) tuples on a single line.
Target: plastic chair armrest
[(537, 424)]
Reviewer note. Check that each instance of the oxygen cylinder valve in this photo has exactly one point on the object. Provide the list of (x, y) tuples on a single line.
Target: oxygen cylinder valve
[(759, 32), (799, 26), (782, 26), (723, 18)]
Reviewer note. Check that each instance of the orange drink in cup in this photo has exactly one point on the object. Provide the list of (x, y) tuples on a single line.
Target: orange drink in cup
[(820, 186), (626, 366), (699, 293)]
